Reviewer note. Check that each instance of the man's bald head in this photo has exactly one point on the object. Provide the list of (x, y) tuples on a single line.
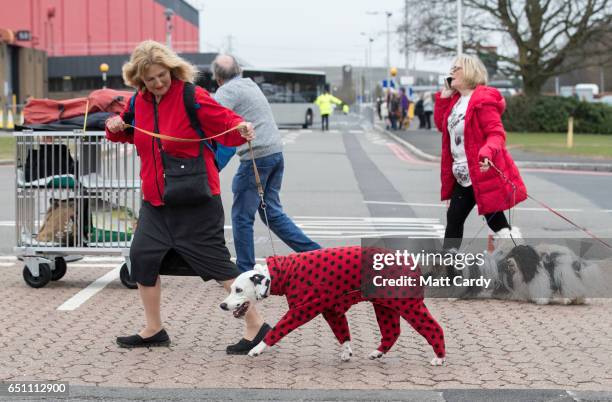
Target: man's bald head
[(225, 67)]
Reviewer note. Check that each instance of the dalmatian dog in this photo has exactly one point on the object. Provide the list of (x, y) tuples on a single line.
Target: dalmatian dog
[(328, 282)]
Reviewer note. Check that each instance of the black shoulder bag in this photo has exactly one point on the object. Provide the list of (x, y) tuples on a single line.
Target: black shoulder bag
[(185, 179)]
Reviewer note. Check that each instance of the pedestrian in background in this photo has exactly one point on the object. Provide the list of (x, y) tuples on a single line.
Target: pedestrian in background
[(245, 98), (385, 111), (173, 220), (405, 105), (395, 111), (471, 141), (420, 111), (379, 103), (324, 102), (428, 109)]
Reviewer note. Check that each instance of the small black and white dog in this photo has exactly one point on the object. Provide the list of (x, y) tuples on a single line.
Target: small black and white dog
[(540, 274)]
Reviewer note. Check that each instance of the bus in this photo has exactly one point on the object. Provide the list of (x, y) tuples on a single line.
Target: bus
[(291, 93)]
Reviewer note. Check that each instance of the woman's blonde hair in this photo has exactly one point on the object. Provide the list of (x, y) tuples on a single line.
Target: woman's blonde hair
[(474, 71), (151, 52)]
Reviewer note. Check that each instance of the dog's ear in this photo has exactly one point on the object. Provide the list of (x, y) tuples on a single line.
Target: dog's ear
[(262, 284), (257, 279)]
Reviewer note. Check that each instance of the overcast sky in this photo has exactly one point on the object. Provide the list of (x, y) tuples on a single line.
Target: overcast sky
[(291, 33)]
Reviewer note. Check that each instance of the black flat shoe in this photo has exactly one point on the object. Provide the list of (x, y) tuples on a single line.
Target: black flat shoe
[(136, 341), (244, 346)]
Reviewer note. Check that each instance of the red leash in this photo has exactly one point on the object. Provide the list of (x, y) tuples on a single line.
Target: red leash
[(560, 215)]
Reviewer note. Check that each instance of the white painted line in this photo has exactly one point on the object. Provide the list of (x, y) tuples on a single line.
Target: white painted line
[(75, 301), (7, 264), (421, 204), (363, 219), (8, 257), (356, 131), (257, 259)]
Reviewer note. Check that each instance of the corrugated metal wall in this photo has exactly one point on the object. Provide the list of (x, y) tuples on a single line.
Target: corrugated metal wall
[(91, 27)]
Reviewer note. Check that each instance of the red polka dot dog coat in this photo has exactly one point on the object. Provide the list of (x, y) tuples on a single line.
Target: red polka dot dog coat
[(328, 281)]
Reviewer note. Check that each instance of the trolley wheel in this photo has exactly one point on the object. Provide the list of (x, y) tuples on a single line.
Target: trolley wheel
[(124, 275), (60, 269), (44, 276)]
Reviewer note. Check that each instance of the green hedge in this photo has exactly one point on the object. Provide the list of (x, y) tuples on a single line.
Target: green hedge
[(549, 114)]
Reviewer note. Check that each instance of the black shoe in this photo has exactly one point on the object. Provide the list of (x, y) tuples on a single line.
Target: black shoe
[(136, 341), (244, 346)]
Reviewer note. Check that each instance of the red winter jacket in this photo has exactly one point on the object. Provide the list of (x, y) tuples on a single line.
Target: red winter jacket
[(173, 121), (484, 137)]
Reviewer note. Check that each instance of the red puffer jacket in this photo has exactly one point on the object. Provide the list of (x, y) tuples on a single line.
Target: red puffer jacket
[(173, 121), (484, 137)]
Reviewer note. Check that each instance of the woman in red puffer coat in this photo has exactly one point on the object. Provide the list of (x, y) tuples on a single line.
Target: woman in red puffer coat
[(468, 113)]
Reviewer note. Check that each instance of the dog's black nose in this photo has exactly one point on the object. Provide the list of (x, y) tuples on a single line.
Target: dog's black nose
[(223, 306)]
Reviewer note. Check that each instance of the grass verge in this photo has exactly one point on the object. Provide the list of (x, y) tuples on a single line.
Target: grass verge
[(591, 145)]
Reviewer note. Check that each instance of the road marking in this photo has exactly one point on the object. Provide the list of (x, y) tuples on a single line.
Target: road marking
[(75, 301), (356, 131), (361, 227), (422, 204), (402, 155), (291, 137)]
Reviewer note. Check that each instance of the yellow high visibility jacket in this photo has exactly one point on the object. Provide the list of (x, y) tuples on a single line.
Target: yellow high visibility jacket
[(324, 102)]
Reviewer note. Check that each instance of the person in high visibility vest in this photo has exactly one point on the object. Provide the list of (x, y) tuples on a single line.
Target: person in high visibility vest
[(324, 102), (345, 109)]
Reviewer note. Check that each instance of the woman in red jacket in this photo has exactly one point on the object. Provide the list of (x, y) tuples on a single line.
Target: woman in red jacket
[(468, 114), (188, 226)]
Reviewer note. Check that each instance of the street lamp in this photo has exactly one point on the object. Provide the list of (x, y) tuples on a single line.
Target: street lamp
[(459, 27), (103, 70), (388, 14), (368, 73), (168, 12)]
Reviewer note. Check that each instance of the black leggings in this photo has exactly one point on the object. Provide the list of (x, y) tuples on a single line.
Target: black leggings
[(324, 122), (461, 204)]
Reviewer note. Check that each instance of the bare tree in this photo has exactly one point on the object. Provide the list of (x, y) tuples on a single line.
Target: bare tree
[(535, 39)]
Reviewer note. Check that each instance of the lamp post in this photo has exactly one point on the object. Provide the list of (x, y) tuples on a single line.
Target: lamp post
[(168, 12), (103, 70), (388, 14), (368, 71), (459, 27)]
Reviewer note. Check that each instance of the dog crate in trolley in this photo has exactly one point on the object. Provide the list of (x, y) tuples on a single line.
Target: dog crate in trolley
[(77, 194)]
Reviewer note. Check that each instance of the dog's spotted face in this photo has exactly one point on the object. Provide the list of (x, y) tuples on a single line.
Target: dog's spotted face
[(248, 288)]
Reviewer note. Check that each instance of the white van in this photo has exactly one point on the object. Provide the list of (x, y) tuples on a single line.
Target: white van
[(587, 92)]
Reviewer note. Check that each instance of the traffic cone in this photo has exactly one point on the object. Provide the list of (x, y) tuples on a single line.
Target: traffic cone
[(10, 125), (1, 119), (490, 244)]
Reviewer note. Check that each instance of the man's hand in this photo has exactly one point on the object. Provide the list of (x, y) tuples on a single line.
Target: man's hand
[(115, 124), (247, 131)]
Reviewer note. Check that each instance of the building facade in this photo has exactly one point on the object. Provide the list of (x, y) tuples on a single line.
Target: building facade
[(33, 30)]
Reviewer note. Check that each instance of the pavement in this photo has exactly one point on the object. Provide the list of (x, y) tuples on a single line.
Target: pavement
[(491, 344), (426, 144)]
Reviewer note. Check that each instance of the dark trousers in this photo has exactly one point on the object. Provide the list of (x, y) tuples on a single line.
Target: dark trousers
[(461, 204), (428, 120), (421, 117), (324, 122)]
